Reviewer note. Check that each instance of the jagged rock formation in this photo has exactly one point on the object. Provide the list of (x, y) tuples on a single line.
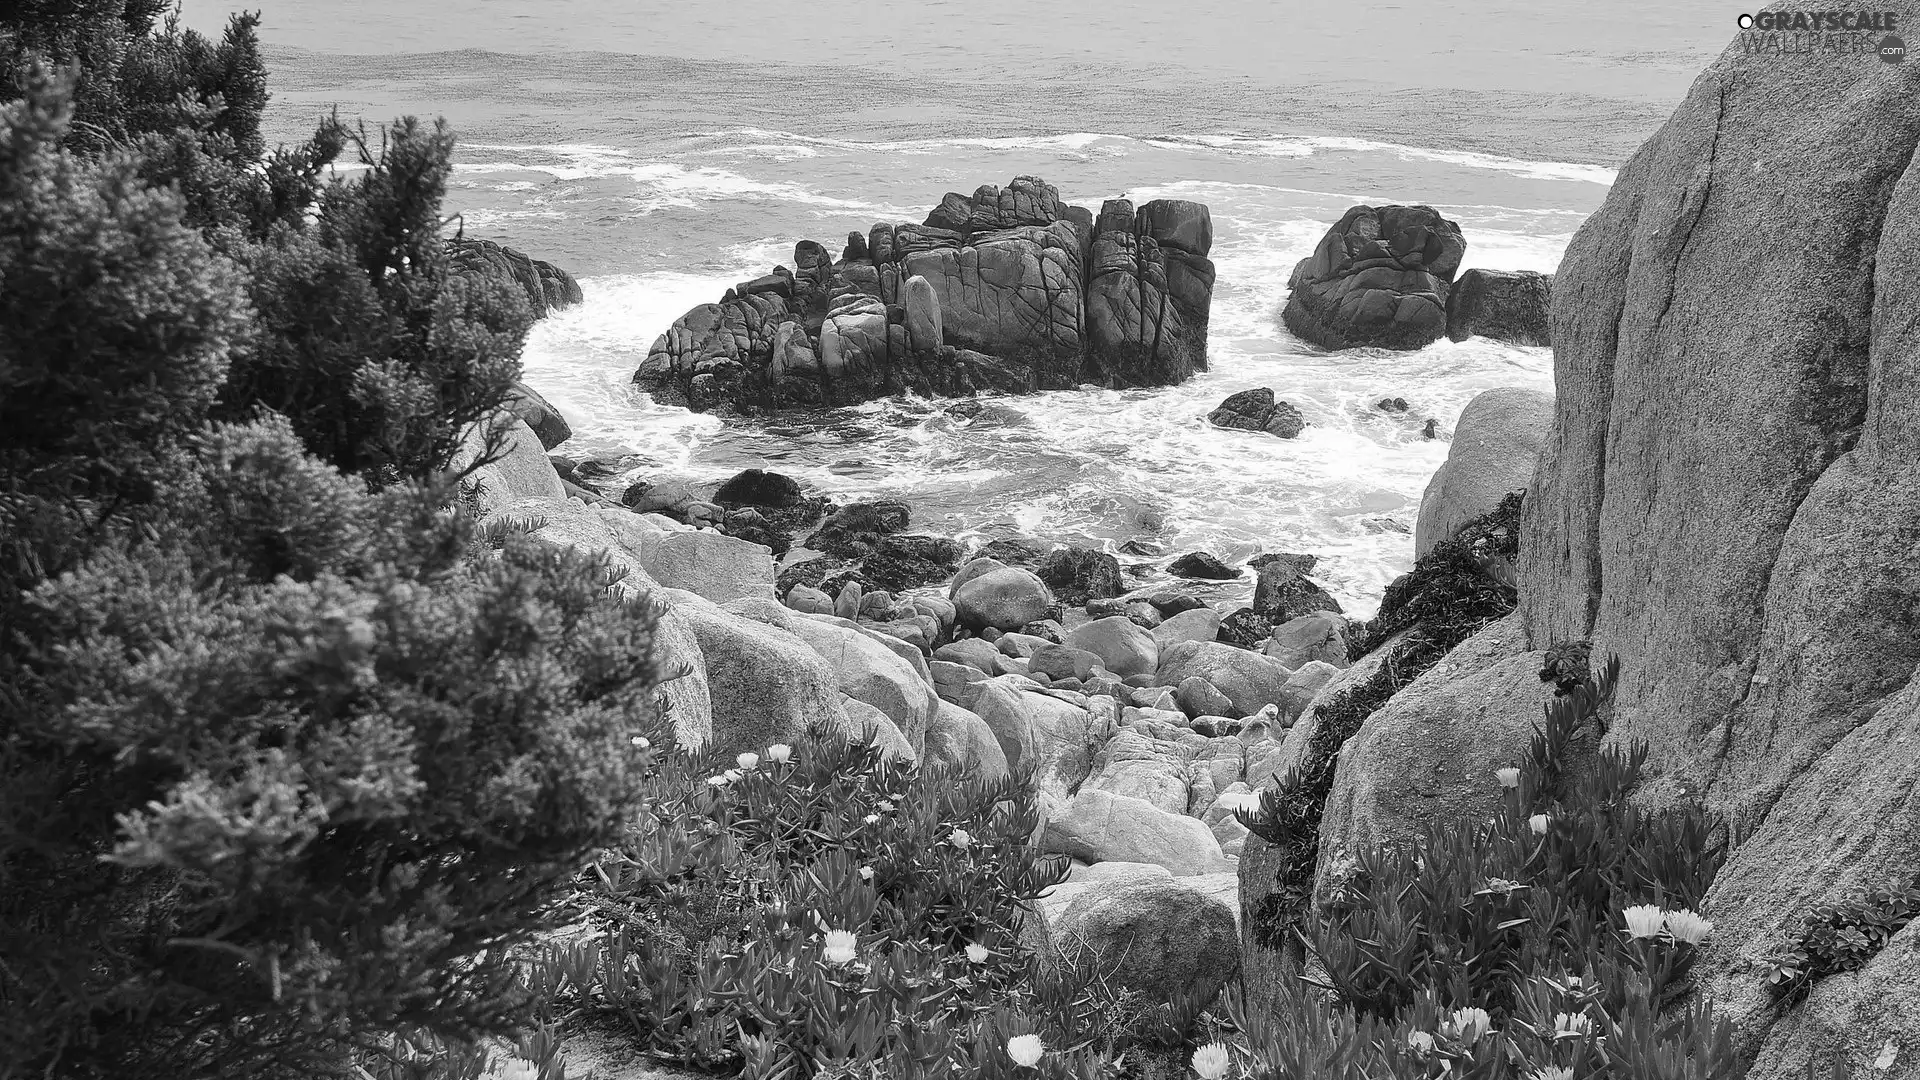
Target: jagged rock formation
[(1379, 278), (547, 287), (1729, 501), (1505, 305), (1008, 289)]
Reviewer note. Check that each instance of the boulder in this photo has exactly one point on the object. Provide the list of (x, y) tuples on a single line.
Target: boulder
[(1098, 826), (1515, 306), (547, 288), (1282, 593), (909, 561), (1046, 734), (765, 685), (1159, 939), (1135, 764), (1245, 628), (870, 723), (1257, 410), (986, 593), (805, 598), (1198, 697), (1379, 279), (1196, 624), (1079, 575), (717, 567), (1123, 648), (519, 471), (545, 420), (924, 332), (1319, 636), (1064, 662), (1495, 447), (973, 652), (1020, 646), (1429, 754), (1248, 679), (959, 740), (865, 666), (757, 487), (1304, 685), (1171, 601), (1201, 564), (1149, 292), (855, 529)]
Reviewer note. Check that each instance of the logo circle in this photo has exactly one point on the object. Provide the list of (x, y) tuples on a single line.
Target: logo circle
[(1745, 21), (1892, 49)]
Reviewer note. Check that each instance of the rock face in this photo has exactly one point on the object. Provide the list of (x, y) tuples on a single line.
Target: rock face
[(1495, 448), (540, 415), (1729, 501), (1506, 305), (1256, 410), (1379, 278), (546, 287), (1009, 289)]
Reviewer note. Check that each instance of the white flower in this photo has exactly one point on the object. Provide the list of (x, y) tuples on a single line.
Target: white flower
[(1538, 823), (885, 804), (866, 873), (1574, 983), (1026, 1049), (719, 781), (1509, 776), (640, 741), (839, 947), (1472, 1023), (1420, 1042), (871, 819), (779, 753), (748, 759), (1570, 1024), (1644, 920), (1210, 1062), (977, 953), (1685, 926), (514, 1069), (961, 839)]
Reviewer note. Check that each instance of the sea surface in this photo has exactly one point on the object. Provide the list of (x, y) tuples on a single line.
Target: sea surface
[(663, 152)]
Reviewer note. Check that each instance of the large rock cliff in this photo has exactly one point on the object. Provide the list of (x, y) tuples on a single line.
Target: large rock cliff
[(1729, 500)]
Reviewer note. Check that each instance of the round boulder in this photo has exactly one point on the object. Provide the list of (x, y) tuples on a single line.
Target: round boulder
[(1122, 646), (1004, 598), (1495, 447)]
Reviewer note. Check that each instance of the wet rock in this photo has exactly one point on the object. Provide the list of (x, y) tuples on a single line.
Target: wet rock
[(908, 561), (1173, 601), (1080, 576), (1379, 278), (856, 529), (1282, 593), (1257, 410), (757, 487), (1201, 564), (1245, 628), (1514, 306), (546, 287)]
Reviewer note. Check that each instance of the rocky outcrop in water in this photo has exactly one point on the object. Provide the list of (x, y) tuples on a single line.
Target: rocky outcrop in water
[(1009, 289), (1379, 278), (1257, 410), (1514, 306), (546, 287)]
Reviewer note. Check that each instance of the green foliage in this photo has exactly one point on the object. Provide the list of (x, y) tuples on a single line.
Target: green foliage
[(1449, 597), (715, 912), (1459, 586), (1499, 948), (288, 762), (1841, 937)]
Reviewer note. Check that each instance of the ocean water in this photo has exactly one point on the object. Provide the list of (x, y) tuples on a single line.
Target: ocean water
[(664, 152)]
